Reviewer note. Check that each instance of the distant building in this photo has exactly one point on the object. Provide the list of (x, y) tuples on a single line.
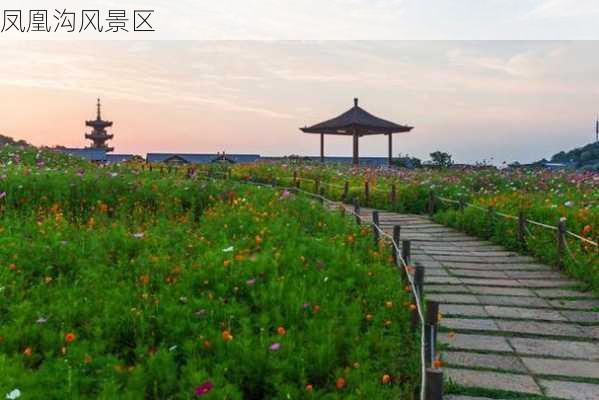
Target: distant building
[(98, 156), (185, 158), (93, 155), (99, 136)]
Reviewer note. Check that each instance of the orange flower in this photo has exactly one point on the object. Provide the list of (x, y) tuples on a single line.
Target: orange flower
[(226, 263), (315, 308), (587, 229), (412, 307), (389, 304), (351, 239), (69, 337), (87, 359), (144, 279), (437, 364), (258, 240), (207, 345), (309, 388), (369, 317), (281, 331), (227, 337), (386, 379), (340, 383), (28, 351)]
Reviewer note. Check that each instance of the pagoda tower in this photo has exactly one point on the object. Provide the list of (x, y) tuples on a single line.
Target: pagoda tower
[(99, 136)]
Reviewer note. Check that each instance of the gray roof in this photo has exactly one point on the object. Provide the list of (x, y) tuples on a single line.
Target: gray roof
[(201, 158), (117, 158), (87, 153), (359, 119)]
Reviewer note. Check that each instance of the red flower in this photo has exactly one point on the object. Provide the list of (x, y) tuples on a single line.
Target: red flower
[(203, 388)]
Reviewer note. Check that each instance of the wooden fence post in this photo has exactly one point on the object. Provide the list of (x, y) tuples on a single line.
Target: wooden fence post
[(295, 179), (434, 384), (406, 250), (432, 317), (366, 193), (229, 173), (375, 225), (317, 186), (417, 295), (521, 229), (561, 242), (431, 202), (357, 210), (345, 191), (419, 280), (321, 193), (393, 195), (396, 234), (462, 205)]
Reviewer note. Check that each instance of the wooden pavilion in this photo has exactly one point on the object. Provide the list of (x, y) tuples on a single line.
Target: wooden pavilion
[(356, 122)]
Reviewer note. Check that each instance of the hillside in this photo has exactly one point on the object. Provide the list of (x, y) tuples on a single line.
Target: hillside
[(586, 157)]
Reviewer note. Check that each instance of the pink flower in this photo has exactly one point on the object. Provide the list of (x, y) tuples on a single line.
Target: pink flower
[(251, 282), (285, 194), (275, 346), (2, 195), (203, 388)]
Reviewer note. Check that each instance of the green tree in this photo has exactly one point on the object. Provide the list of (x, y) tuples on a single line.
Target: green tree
[(441, 159)]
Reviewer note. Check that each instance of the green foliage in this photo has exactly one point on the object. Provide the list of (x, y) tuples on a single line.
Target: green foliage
[(166, 282)]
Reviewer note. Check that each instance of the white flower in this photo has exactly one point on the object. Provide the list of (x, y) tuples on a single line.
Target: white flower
[(13, 394), (228, 249), (569, 203), (138, 235)]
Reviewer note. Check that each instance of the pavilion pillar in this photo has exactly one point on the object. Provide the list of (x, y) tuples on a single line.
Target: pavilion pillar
[(356, 158), (322, 147), (390, 149)]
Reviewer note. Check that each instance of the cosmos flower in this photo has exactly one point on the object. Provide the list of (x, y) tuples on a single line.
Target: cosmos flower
[(13, 394), (275, 346), (204, 388)]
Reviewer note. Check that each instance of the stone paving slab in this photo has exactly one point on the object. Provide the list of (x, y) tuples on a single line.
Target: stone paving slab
[(460, 397), (543, 283), (575, 304), (558, 293), (556, 348), (446, 280), (453, 298), (447, 289), (476, 273), (512, 301), (581, 316), (487, 361), (493, 380), (457, 309), (501, 291), (571, 368), (491, 282), (524, 313), (463, 341), (534, 274), (540, 328), (477, 324), (570, 390)]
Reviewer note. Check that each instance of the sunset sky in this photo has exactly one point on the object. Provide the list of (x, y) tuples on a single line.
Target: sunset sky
[(506, 100)]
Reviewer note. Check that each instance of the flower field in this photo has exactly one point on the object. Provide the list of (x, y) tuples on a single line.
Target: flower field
[(543, 196), (123, 283)]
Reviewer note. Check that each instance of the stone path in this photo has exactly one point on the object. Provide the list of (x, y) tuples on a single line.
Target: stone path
[(509, 323)]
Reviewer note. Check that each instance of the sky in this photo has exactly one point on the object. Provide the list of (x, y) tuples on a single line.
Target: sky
[(495, 100)]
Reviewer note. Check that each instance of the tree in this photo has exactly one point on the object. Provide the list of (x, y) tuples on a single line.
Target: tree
[(407, 162), (441, 159)]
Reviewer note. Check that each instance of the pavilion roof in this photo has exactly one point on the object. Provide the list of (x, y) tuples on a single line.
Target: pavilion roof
[(359, 120)]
